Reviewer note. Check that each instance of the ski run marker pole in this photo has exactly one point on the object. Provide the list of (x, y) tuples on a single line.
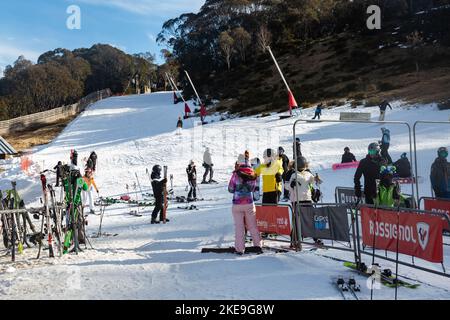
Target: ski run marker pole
[(193, 87)]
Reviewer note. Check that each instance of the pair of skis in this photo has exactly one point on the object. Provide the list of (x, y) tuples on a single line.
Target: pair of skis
[(348, 288)]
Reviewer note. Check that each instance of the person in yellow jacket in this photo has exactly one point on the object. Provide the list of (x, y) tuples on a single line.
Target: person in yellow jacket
[(87, 195), (271, 171)]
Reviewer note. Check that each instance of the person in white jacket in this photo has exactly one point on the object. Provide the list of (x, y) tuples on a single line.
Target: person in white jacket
[(208, 165), (303, 180)]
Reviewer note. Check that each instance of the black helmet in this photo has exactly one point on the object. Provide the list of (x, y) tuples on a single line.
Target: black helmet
[(268, 153), (302, 163), (157, 169), (346, 149), (280, 150)]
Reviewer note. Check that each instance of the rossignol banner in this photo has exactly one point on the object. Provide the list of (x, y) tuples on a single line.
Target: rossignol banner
[(347, 195), (325, 223), (418, 235), (274, 219), (439, 206)]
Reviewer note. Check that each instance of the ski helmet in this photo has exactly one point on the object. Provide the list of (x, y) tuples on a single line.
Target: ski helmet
[(268, 153), (374, 149), (404, 155), (191, 162), (156, 169), (302, 163), (280, 150), (347, 149), (387, 170), (442, 152)]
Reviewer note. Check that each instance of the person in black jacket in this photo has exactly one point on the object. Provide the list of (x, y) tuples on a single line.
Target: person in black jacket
[(285, 161), (297, 146), (439, 174), (58, 169), (192, 180), (348, 156), (403, 166), (369, 167), (158, 192), (383, 106), (92, 161)]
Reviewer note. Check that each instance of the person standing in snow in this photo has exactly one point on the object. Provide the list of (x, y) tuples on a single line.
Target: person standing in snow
[(87, 194), (348, 156), (369, 167), (301, 184), (383, 106), (179, 125), (208, 165), (318, 111), (385, 142), (439, 175), (192, 180), (73, 159), (284, 163), (271, 171), (158, 185), (92, 161), (403, 166), (242, 185), (58, 169), (388, 193)]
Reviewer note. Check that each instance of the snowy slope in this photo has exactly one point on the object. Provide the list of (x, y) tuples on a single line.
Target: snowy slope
[(145, 261)]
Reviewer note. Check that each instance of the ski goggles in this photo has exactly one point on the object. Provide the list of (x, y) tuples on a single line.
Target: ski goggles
[(443, 154), (385, 170), (373, 152)]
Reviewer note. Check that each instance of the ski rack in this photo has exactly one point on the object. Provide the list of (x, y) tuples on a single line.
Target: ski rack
[(415, 148)]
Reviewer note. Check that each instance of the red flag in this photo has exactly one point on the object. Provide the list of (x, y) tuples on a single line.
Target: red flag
[(186, 109), (292, 103), (203, 110)]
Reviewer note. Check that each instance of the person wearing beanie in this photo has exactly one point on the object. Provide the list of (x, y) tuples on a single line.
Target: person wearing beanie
[(439, 175), (242, 185)]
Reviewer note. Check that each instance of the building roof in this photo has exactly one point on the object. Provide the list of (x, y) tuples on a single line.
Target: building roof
[(6, 148)]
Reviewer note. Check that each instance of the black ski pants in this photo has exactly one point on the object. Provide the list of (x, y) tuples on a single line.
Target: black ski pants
[(159, 207)]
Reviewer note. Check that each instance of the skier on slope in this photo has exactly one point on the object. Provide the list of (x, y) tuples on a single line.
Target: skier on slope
[(301, 183), (285, 163), (58, 169), (383, 106), (318, 111), (192, 180), (385, 142), (208, 165), (403, 166), (369, 167), (348, 156), (158, 184), (179, 125), (87, 194), (242, 184), (271, 171), (439, 175)]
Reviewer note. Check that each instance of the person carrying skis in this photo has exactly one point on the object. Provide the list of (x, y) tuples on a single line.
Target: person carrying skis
[(439, 175), (271, 171), (58, 169), (284, 163), (87, 194), (158, 185), (388, 193), (403, 166), (369, 167), (208, 165), (242, 185), (385, 142), (383, 106), (301, 184), (192, 180), (318, 111), (348, 156)]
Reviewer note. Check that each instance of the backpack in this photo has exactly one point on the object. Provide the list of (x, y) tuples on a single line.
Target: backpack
[(315, 194)]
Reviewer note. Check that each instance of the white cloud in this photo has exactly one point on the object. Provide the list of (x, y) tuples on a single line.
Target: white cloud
[(170, 8), (151, 37), (9, 54)]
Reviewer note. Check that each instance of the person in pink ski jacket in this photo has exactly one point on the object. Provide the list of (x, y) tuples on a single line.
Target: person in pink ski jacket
[(242, 185)]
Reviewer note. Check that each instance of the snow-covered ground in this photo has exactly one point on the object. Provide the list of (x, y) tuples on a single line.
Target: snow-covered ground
[(133, 133)]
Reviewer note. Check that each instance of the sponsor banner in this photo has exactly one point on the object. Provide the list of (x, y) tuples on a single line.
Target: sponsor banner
[(274, 219), (347, 195), (438, 206), (329, 223), (418, 235)]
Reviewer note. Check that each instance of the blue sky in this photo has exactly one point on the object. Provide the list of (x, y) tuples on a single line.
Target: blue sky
[(32, 27)]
